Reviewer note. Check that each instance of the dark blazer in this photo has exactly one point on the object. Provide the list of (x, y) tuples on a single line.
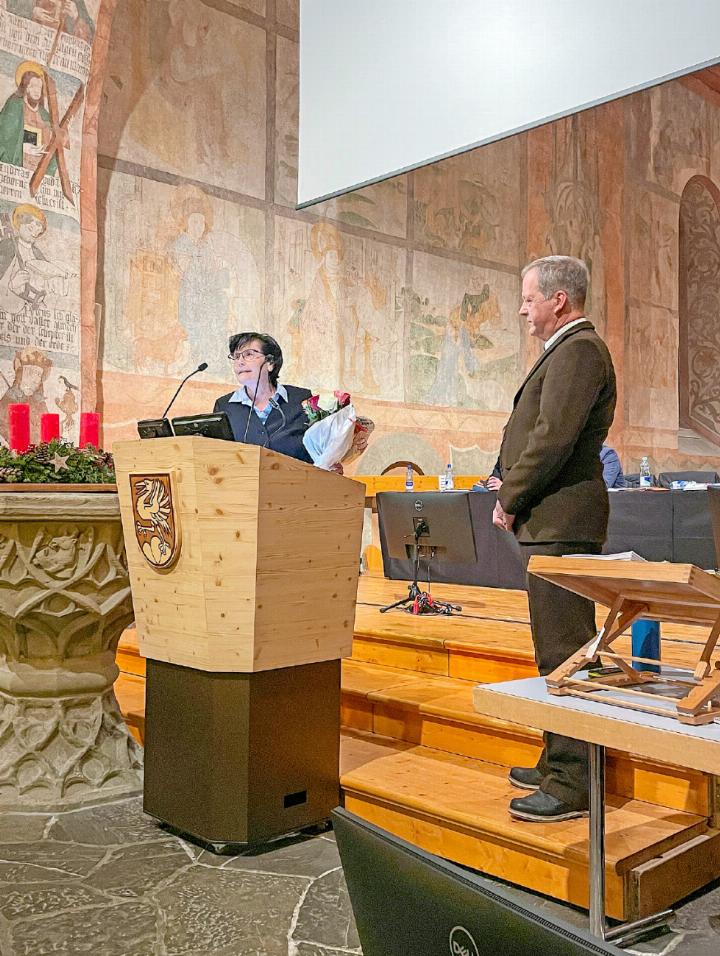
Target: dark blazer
[(550, 453), (285, 437)]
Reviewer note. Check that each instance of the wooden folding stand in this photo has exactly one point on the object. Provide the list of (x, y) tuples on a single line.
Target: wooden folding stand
[(677, 593)]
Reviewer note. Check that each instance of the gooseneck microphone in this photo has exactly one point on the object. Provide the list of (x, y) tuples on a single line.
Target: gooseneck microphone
[(160, 427), (201, 368), (268, 358)]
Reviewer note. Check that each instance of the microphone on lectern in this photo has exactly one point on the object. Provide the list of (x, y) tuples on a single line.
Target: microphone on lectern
[(160, 427)]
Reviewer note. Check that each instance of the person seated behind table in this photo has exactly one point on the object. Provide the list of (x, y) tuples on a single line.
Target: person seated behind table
[(493, 483), (612, 469), (276, 418)]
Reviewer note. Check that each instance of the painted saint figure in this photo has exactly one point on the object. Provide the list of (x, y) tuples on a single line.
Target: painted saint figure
[(31, 367), (25, 127), (26, 273), (72, 14)]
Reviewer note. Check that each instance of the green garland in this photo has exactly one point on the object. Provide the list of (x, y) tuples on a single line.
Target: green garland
[(57, 462)]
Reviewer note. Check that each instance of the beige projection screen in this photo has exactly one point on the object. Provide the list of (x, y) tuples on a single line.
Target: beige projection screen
[(388, 85)]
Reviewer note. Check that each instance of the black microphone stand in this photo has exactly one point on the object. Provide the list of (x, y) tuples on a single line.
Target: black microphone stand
[(417, 601), (160, 427), (200, 368), (252, 406)]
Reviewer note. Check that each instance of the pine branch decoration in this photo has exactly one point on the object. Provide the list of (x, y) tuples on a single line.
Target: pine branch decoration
[(83, 466)]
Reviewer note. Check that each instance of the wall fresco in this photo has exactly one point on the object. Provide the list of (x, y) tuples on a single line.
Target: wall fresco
[(465, 341), (189, 275), (471, 203), (45, 55), (186, 93), (405, 292), (338, 309)]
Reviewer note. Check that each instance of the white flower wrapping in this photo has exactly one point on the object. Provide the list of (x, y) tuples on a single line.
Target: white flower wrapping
[(330, 440)]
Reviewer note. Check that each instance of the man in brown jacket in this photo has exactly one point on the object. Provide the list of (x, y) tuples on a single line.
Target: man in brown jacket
[(554, 499)]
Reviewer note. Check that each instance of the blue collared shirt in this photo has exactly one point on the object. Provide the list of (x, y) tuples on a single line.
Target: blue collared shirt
[(240, 395)]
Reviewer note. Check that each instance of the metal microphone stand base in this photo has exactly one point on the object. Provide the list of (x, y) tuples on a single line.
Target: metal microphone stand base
[(418, 601)]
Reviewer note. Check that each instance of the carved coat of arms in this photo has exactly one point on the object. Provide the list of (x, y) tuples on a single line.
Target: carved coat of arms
[(156, 528)]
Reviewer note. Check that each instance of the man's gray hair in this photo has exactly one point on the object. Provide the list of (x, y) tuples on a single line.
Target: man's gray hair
[(562, 273)]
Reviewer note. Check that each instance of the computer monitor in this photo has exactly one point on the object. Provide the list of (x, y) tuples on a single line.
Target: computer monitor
[(447, 529), (407, 901), (215, 425), (154, 428)]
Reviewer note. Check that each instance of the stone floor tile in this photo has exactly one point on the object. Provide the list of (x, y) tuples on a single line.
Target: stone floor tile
[(133, 871), (22, 827), (326, 914), (304, 856), (219, 913), (128, 929), (37, 899), (41, 862), (109, 824)]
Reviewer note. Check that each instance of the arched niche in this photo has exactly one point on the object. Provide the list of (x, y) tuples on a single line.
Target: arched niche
[(699, 304)]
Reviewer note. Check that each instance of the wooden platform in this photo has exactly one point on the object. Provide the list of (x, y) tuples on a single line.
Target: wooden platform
[(419, 761)]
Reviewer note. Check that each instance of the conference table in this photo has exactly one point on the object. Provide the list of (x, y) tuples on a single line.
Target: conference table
[(659, 525)]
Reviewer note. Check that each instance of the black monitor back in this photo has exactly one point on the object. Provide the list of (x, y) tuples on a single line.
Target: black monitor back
[(408, 901), (497, 561), (446, 517), (214, 425)]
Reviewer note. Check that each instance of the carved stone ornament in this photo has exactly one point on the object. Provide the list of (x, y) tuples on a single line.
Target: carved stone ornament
[(64, 602), (157, 529)]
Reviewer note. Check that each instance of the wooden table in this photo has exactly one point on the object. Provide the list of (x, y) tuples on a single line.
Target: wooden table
[(527, 702)]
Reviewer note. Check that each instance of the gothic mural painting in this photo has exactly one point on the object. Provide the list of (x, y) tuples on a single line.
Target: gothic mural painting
[(45, 55), (699, 308)]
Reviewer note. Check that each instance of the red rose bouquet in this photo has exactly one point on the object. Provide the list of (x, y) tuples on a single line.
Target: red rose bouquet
[(335, 433)]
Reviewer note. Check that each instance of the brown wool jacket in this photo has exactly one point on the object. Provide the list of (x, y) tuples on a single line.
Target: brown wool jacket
[(550, 453)]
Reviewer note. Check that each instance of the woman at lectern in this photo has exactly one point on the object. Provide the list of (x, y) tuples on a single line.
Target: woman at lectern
[(261, 410)]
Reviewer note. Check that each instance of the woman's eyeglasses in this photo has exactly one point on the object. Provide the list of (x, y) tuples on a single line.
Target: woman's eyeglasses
[(244, 355)]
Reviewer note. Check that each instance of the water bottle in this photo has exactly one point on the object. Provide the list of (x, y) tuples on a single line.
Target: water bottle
[(645, 475), (449, 483), (646, 643), (409, 479)]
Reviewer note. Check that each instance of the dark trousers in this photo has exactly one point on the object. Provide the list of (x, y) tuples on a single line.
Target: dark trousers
[(561, 623)]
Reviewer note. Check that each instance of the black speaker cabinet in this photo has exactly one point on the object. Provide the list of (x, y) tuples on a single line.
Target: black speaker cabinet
[(234, 760)]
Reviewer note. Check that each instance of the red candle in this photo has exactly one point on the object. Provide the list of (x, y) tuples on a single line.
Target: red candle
[(19, 427), (49, 427), (89, 429)]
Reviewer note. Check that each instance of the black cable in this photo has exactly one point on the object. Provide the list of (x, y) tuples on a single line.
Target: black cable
[(252, 406), (278, 407)]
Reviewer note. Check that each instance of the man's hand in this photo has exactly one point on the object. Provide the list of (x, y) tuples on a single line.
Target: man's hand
[(501, 519), (494, 483)]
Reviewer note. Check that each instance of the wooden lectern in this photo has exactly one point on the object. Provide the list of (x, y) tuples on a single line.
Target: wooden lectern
[(244, 568)]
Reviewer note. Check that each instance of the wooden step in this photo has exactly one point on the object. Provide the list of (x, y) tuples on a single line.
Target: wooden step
[(438, 713), (130, 694), (456, 807), (128, 657), (488, 641), (476, 649)]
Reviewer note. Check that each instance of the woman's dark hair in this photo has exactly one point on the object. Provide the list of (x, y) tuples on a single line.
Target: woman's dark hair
[(269, 347)]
